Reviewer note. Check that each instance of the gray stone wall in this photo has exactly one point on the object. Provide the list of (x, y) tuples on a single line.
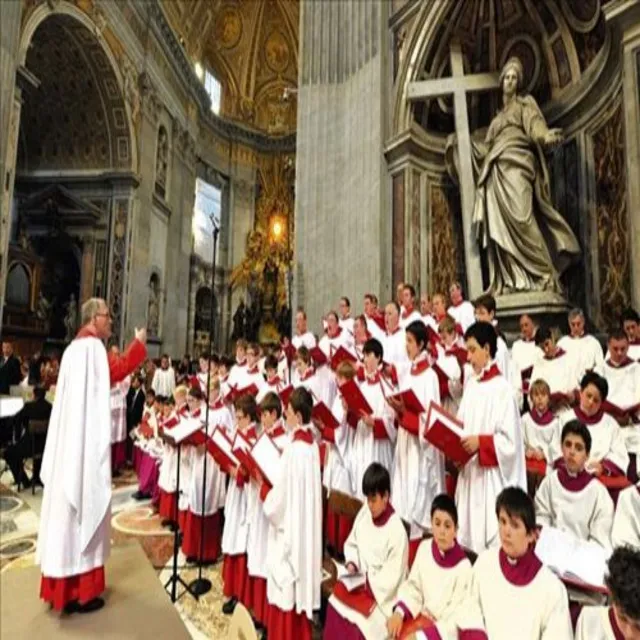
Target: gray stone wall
[(342, 207)]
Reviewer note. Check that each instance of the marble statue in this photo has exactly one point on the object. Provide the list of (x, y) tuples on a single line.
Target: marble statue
[(162, 158), (43, 308), (71, 319), (239, 322), (528, 243)]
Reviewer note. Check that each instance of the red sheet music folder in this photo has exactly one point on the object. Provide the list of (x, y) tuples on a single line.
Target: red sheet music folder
[(355, 399), (322, 413), (411, 402), (445, 433)]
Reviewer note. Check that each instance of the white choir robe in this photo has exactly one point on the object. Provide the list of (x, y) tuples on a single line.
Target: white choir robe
[(375, 329), (215, 492), (624, 392), (540, 432), (463, 313), (164, 381), (626, 521), (187, 456), (294, 510), (258, 523), (246, 376), (202, 378), (76, 466), (430, 321), (379, 549), (320, 383), (560, 372), (375, 444), (418, 471), (489, 410), (634, 349), (522, 600), (587, 351), (336, 475), (394, 346), (607, 441), (346, 324), (119, 410), (167, 478), (307, 340), (275, 385), (235, 534), (578, 504), (508, 370), (449, 374), (437, 587), (408, 316), (524, 355), (236, 375), (597, 623), (330, 344), (283, 369)]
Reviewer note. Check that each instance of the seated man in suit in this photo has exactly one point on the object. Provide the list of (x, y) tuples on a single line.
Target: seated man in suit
[(37, 409), (135, 408)]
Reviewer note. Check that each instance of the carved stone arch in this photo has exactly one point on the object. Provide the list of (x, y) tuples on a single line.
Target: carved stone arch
[(66, 10)]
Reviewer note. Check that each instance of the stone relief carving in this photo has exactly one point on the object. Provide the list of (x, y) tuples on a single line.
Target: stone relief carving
[(130, 86), (153, 306), (150, 100), (162, 159)]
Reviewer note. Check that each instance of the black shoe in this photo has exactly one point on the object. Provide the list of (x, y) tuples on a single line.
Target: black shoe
[(25, 483), (93, 605), (116, 473), (38, 482), (229, 606), (140, 495), (192, 559)]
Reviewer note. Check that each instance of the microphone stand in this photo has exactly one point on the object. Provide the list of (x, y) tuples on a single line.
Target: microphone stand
[(201, 585)]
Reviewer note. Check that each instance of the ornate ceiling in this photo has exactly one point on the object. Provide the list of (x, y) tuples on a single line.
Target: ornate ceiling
[(252, 47)]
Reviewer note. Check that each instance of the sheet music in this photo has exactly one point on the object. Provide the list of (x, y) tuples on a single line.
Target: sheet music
[(569, 556), (240, 442), (353, 581), (221, 440), (185, 428), (267, 457), (436, 412)]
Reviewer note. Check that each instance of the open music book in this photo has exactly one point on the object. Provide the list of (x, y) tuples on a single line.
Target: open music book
[(354, 398), (445, 432), (571, 557), (223, 445), (350, 580), (411, 402), (184, 429), (322, 413), (266, 455)]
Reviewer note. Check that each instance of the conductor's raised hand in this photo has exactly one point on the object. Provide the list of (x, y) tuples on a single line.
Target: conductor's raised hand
[(141, 335)]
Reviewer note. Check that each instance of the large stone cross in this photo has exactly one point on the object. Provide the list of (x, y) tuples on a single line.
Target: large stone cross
[(459, 85)]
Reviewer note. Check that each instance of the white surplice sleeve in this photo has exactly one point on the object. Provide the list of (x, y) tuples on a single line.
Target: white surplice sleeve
[(556, 621), (602, 518), (544, 510)]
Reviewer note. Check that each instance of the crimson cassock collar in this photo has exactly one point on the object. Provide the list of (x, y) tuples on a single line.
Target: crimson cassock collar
[(585, 419), (521, 571)]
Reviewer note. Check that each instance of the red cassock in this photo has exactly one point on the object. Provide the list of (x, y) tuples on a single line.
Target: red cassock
[(89, 585)]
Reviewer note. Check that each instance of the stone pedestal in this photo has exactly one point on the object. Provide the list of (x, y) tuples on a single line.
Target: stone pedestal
[(544, 307)]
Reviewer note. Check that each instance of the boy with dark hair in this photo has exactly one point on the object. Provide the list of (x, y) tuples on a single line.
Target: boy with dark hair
[(558, 369), (490, 415), (512, 594), (409, 312), (429, 600), (274, 383), (376, 548), (485, 311), (570, 498), (294, 510), (582, 346), (630, 323), (375, 435), (609, 455), (620, 621)]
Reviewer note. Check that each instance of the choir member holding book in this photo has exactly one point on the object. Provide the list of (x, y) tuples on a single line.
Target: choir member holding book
[(558, 369), (489, 413), (294, 510), (236, 524), (525, 352), (449, 364), (620, 620), (375, 435), (609, 457), (429, 601), (540, 427), (376, 554), (461, 310), (570, 498), (394, 341), (215, 488), (584, 347), (512, 594), (418, 473)]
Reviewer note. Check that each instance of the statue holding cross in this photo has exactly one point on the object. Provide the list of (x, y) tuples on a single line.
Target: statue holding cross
[(504, 185)]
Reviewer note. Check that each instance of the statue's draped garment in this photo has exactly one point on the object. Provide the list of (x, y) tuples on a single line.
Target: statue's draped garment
[(528, 243)]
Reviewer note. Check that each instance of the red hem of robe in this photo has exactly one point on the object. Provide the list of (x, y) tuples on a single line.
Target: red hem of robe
[(118, 455), (255, 597), (287, 625), (234, 575), (192, 536), (167, 505), (83, 587), (472, 634), (487, 452)]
